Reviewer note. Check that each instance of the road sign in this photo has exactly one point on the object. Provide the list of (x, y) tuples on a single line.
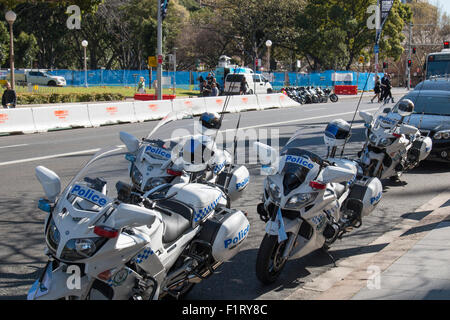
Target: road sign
[(152, 62), (376, 49), (361, 59), (160, 59)]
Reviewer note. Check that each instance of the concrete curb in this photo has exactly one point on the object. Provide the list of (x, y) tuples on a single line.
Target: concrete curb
[(351, 274)]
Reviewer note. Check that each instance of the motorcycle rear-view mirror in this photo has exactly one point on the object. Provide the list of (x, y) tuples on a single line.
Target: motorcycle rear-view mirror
[(367, 117), (130, 141), (336, 174), (50, 181)]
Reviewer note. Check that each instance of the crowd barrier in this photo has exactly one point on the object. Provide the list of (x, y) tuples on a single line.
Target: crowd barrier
[(54, 117)]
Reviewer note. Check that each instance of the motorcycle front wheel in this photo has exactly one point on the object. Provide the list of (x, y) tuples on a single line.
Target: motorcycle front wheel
[(269, 262), (334, 98)]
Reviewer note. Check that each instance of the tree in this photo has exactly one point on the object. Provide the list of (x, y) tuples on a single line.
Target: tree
[(25, 50), (334, 33), (4, 43)]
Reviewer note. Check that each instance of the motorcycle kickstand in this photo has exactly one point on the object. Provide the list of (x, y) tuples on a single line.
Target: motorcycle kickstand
[(329, 255)]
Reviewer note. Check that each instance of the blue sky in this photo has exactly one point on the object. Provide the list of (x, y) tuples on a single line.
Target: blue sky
[(444, 4)]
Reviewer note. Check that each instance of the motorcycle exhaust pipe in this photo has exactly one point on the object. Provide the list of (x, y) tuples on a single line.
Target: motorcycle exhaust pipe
[(196, 279)]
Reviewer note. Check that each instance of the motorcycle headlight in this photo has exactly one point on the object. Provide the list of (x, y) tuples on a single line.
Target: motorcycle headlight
[(300, 199), (153, 183), (136, 176), (52, 236), (77, 249), (385, 142), (273, 190), (442, 135)]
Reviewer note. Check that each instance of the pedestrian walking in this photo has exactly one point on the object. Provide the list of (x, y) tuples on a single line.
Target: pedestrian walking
[(201, 83), (388, 87), (9, 97), (376, 89), (244, 86)]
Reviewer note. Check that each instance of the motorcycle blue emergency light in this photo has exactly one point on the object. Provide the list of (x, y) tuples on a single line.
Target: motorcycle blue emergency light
[(130, 157), (44, 205)]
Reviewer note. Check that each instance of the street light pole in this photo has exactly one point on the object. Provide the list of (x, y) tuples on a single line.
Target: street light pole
[(84, 43), (268, 45), (10, 16), (159, 53)]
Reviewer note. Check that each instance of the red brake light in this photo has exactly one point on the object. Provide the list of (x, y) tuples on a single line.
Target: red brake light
[(105, 275), (317, 185), (174, 173), (397, 135), (106, 232)]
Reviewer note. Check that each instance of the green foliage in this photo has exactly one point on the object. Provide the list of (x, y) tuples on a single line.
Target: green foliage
[(39, 98), (25, 50), (334, 33), (4, 43)]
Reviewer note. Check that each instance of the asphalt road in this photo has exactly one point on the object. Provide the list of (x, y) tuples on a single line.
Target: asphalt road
[(21, 223)]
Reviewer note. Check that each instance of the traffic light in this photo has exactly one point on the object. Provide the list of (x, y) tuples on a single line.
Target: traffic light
[(446, 45), (385, 65), (409, 63), (414, 50), (164, 4)]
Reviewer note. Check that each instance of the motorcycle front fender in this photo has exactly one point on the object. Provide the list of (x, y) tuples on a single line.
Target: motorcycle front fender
[(58, 284), (289, 226)]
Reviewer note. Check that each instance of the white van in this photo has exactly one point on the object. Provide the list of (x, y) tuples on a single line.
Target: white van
[(257, 83)]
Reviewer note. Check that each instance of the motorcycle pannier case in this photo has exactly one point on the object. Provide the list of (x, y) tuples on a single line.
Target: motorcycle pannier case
[(225, 231), (364, 195)]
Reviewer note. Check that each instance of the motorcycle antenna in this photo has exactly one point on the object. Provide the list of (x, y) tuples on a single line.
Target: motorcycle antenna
[(356, 110)]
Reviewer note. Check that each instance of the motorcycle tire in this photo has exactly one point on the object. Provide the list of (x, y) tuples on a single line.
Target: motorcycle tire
[(334, 98), (315, 99), (269, 253)]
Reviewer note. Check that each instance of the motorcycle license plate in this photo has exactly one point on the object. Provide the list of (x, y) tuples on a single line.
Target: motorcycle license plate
[(42, 285)]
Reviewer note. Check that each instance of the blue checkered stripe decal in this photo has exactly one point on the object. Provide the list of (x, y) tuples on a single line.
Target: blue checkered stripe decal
[(110, 282), (200, 214), (143, 255)]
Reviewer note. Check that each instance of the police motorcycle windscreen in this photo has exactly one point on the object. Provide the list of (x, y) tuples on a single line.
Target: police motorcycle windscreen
[(69, 228)]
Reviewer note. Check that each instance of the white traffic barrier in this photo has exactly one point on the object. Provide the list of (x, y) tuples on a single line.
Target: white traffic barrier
[(267, 101), (152, 109), (60, 117), (244, 102), (215, 104), (110, 113), (286, 102), (17, 120), (195, 105)]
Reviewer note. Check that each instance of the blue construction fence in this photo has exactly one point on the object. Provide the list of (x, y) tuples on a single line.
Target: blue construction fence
[(188, 79)]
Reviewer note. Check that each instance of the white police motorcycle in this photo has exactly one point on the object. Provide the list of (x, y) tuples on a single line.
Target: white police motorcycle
[(309, 201), (105, 241), (392, 146), (152, 160)]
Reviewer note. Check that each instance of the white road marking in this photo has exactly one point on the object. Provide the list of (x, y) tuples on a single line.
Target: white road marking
[(15, 145), (227, 130), (49, 157)]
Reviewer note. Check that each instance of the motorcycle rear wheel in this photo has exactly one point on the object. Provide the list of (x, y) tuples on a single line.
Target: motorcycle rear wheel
[(269, 262)]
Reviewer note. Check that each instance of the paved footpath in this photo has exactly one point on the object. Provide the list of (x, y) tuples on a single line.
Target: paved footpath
[(413, 265)]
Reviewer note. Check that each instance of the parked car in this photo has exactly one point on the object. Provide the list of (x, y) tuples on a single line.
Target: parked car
[(431, 116), (257, 83), (37, 77)]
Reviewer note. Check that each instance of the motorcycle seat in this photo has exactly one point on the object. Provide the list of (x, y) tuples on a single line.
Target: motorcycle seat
[(177, 218)]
